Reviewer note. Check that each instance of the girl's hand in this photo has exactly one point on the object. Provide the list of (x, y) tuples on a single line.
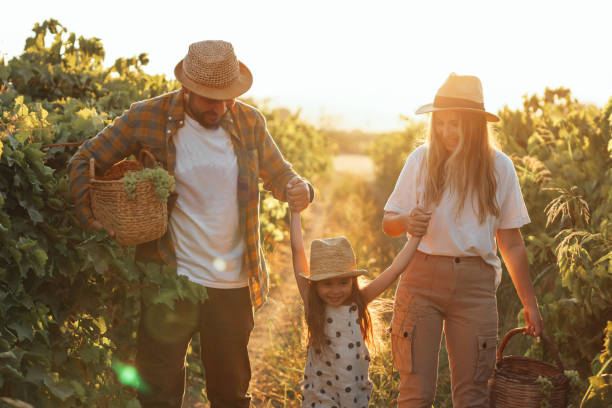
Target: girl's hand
[(416, 221), (533, 320)]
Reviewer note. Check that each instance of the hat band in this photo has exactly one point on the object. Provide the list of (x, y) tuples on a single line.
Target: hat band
[(450, 102)]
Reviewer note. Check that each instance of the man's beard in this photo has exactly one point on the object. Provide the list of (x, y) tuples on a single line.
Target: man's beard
[(200, 117)]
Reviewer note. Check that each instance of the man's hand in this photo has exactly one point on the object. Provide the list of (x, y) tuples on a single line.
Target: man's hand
[(97, 225), (298, 194)]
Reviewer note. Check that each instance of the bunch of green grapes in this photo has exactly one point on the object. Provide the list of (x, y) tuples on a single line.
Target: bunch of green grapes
[(164, 182)]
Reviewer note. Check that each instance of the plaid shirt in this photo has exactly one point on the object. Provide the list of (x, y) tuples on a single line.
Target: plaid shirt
[(151, 124)]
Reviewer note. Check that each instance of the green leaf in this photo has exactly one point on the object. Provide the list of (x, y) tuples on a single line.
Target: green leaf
[(61, 391), (8, 355), (78, 389), (23, 330), (133, 403), (35, 375), (41, 256), (166, 296), (101, 324), (35, 215), (10, 371), (25, 244)]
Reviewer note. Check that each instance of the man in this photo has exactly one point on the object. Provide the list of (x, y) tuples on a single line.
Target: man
[(217, 149)]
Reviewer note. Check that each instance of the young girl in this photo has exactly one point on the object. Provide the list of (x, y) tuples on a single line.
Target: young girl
[(476, 202), (339, 325)]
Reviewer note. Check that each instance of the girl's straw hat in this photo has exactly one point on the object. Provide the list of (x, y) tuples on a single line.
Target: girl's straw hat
[(332, 258), (459, 92), (211, 69)]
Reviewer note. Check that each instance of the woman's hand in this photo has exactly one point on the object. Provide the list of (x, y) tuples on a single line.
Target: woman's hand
[(416, 221), (533, 320)]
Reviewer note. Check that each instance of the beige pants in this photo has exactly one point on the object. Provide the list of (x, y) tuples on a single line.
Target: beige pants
[(459, 295)]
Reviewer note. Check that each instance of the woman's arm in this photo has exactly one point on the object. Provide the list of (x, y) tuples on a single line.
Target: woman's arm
[(415, 223), (298, 255), (512, 249), (389, 275)]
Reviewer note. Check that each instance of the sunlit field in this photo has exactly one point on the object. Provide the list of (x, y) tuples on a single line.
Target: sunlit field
[(70, 299)]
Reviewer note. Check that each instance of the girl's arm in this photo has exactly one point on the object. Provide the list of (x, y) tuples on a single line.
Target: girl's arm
[(389, 275), (512, 249), (298, 255)]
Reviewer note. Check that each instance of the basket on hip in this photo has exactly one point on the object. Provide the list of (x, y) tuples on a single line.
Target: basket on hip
[(524, 382), (136, 220)]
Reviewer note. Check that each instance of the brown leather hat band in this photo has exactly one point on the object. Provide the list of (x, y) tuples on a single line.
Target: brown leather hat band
[(449, 102)]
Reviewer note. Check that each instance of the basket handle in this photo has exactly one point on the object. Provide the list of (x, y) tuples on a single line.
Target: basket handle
[(141, 158), (145, 152), (92, 168), (523, 330)]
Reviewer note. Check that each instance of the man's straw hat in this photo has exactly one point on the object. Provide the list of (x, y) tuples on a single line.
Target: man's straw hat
[(462, 93), (211, 69), (332, 258)]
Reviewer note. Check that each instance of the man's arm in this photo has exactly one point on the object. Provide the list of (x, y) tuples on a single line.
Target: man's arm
[(279, 177), (112, 144)]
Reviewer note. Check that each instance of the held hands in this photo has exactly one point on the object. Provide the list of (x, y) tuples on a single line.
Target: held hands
[(298, 194), (416, 221)]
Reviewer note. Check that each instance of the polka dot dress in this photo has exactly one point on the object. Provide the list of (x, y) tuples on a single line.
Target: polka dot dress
[(338, 377)]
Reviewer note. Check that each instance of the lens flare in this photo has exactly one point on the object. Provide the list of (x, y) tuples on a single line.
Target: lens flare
[(220, 265), (128, 376)]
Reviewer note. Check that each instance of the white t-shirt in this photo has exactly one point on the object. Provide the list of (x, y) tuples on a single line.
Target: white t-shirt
[(462, 235), (204, 223)]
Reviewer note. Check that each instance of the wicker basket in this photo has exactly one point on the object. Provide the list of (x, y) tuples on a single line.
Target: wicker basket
[(514, 382), (134, 221)]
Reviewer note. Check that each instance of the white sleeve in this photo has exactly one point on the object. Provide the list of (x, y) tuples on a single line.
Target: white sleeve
[(513, 212), (406, 192)]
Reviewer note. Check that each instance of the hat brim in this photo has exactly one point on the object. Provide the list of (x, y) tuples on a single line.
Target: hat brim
[(238, 86), (431, 108), (330, 275)]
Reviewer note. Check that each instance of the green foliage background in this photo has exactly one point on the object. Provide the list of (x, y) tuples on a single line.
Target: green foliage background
[(70, 299)]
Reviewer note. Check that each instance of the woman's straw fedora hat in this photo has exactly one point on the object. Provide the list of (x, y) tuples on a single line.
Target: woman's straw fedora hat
[(332, 258), (211, 69), (462, 93)]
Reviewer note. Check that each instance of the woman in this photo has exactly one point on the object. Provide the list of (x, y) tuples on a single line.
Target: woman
[(475, 203)]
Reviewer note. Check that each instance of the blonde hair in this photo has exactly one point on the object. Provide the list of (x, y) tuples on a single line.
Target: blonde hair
[(467, 172)]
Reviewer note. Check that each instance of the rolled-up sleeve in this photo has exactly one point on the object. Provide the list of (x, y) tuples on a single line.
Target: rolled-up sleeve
[(274, 170)]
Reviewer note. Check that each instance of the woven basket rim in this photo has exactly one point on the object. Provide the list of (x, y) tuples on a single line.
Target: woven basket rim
[(559, 377)]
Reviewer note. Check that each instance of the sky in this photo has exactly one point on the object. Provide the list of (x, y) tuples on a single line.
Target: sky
[(355, 64)]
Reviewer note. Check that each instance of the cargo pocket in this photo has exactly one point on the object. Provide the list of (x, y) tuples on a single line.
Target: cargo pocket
[(402, 340), (487, 347)]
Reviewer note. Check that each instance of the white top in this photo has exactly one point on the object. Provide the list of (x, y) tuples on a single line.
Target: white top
[(204, 223), (450, 235), (338, 376)]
